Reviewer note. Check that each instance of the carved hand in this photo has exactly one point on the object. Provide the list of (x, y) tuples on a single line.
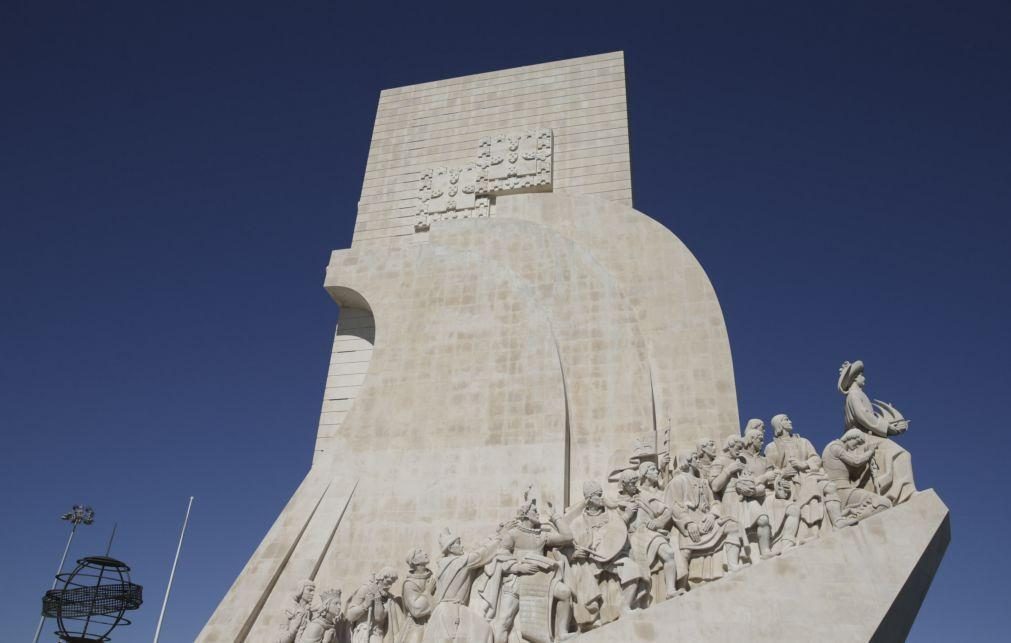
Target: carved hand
[(707, 524), (693, 532), (552, 514)]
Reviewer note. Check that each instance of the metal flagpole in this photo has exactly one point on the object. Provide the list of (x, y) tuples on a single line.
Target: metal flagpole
[(79, 515), (172, 575)]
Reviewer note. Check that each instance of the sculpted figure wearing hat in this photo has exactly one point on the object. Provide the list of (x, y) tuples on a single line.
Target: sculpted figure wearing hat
[(452, 620), (541, 572), (893, 475), (416, 594), (605, 579), (323, 626)]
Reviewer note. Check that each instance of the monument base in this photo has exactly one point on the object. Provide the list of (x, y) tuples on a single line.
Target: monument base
[(862, 583)]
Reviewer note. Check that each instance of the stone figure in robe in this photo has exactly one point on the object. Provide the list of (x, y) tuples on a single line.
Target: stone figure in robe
[(417, 597), (452, 619), (322, 628), (703, 538), (648, 520), (297, 612), (848, 464), (606, 581), (373, 612), (880, 421), (801, 477)]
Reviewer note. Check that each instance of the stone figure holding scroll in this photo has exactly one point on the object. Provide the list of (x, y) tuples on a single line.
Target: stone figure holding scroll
[(801, 478), (893, 477), (297, 612), (606, 581)]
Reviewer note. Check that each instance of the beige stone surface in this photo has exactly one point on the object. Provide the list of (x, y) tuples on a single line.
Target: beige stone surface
[(485, 356), (441, 123), (863, 583)]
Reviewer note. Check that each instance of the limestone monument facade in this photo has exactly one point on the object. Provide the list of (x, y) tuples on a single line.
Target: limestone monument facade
[(513, 334)]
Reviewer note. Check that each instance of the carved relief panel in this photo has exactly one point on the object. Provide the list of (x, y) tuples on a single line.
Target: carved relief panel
[(514, 162), (506, 164), (451, 193)]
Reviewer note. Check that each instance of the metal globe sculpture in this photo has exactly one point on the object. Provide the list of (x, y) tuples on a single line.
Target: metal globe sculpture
[(93, 600)]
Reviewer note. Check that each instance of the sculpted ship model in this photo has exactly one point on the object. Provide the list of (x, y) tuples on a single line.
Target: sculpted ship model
[(509, 322)]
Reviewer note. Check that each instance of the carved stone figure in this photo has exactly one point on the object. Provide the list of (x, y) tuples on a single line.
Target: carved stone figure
[(893, 478), (453, 620), (802, 479), (847, 462), (417, 596), (297, 612), (706, 453), (702, 533), (373, 611), (648, 518), (540, 581), (323, 626), (755, 424), (745, 497), (496, 592), (605, 578)]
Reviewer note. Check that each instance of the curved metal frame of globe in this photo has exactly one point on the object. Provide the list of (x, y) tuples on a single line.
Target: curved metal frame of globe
[(93, 600)]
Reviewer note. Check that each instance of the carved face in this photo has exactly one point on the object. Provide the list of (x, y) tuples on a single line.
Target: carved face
[(386, 582), (734, 448), (754, 442), (651, 473), (421, 559), (456, 548), (860, 380), (595, 499), (308, 591), (687, 462), (531, 515), (630, 486), (709, 448)]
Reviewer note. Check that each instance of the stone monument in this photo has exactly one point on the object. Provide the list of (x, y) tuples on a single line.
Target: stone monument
[(512, 333)]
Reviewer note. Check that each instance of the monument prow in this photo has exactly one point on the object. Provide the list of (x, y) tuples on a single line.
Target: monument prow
[(510, 325)]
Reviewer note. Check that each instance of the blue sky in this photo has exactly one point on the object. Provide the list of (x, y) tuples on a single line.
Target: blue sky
[(173, 177)]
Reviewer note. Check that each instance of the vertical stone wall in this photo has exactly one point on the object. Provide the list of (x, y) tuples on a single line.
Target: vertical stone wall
[(349, 363), (441, 123)]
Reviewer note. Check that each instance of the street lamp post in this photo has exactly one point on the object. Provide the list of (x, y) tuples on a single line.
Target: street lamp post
[(79, 515)]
